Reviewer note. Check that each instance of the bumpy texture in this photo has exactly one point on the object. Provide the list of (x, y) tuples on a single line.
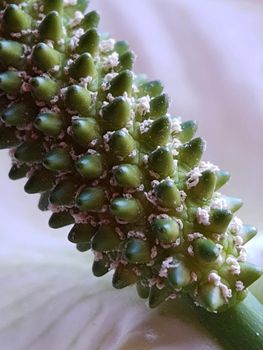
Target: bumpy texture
[(99, 145)]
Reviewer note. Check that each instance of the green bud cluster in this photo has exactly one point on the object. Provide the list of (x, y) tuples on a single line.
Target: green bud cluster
[(97, 142)]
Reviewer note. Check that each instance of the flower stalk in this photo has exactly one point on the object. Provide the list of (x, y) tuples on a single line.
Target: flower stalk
[(240, 327)]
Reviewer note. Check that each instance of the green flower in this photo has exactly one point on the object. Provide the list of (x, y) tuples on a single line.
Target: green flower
[(99, 145)]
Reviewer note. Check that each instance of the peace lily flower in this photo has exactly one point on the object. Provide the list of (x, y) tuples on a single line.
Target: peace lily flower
[(49, 297)]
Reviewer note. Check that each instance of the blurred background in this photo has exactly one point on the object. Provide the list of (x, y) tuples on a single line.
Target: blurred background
[(209, 56)]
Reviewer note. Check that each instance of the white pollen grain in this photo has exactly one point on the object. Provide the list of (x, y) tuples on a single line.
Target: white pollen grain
[(143, 105), (203, 216), (107, 45)]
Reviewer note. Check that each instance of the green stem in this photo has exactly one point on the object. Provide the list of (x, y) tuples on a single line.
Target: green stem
[(240, 327)]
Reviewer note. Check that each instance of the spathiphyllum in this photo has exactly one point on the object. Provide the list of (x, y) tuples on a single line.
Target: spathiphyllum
[(97, 142)]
